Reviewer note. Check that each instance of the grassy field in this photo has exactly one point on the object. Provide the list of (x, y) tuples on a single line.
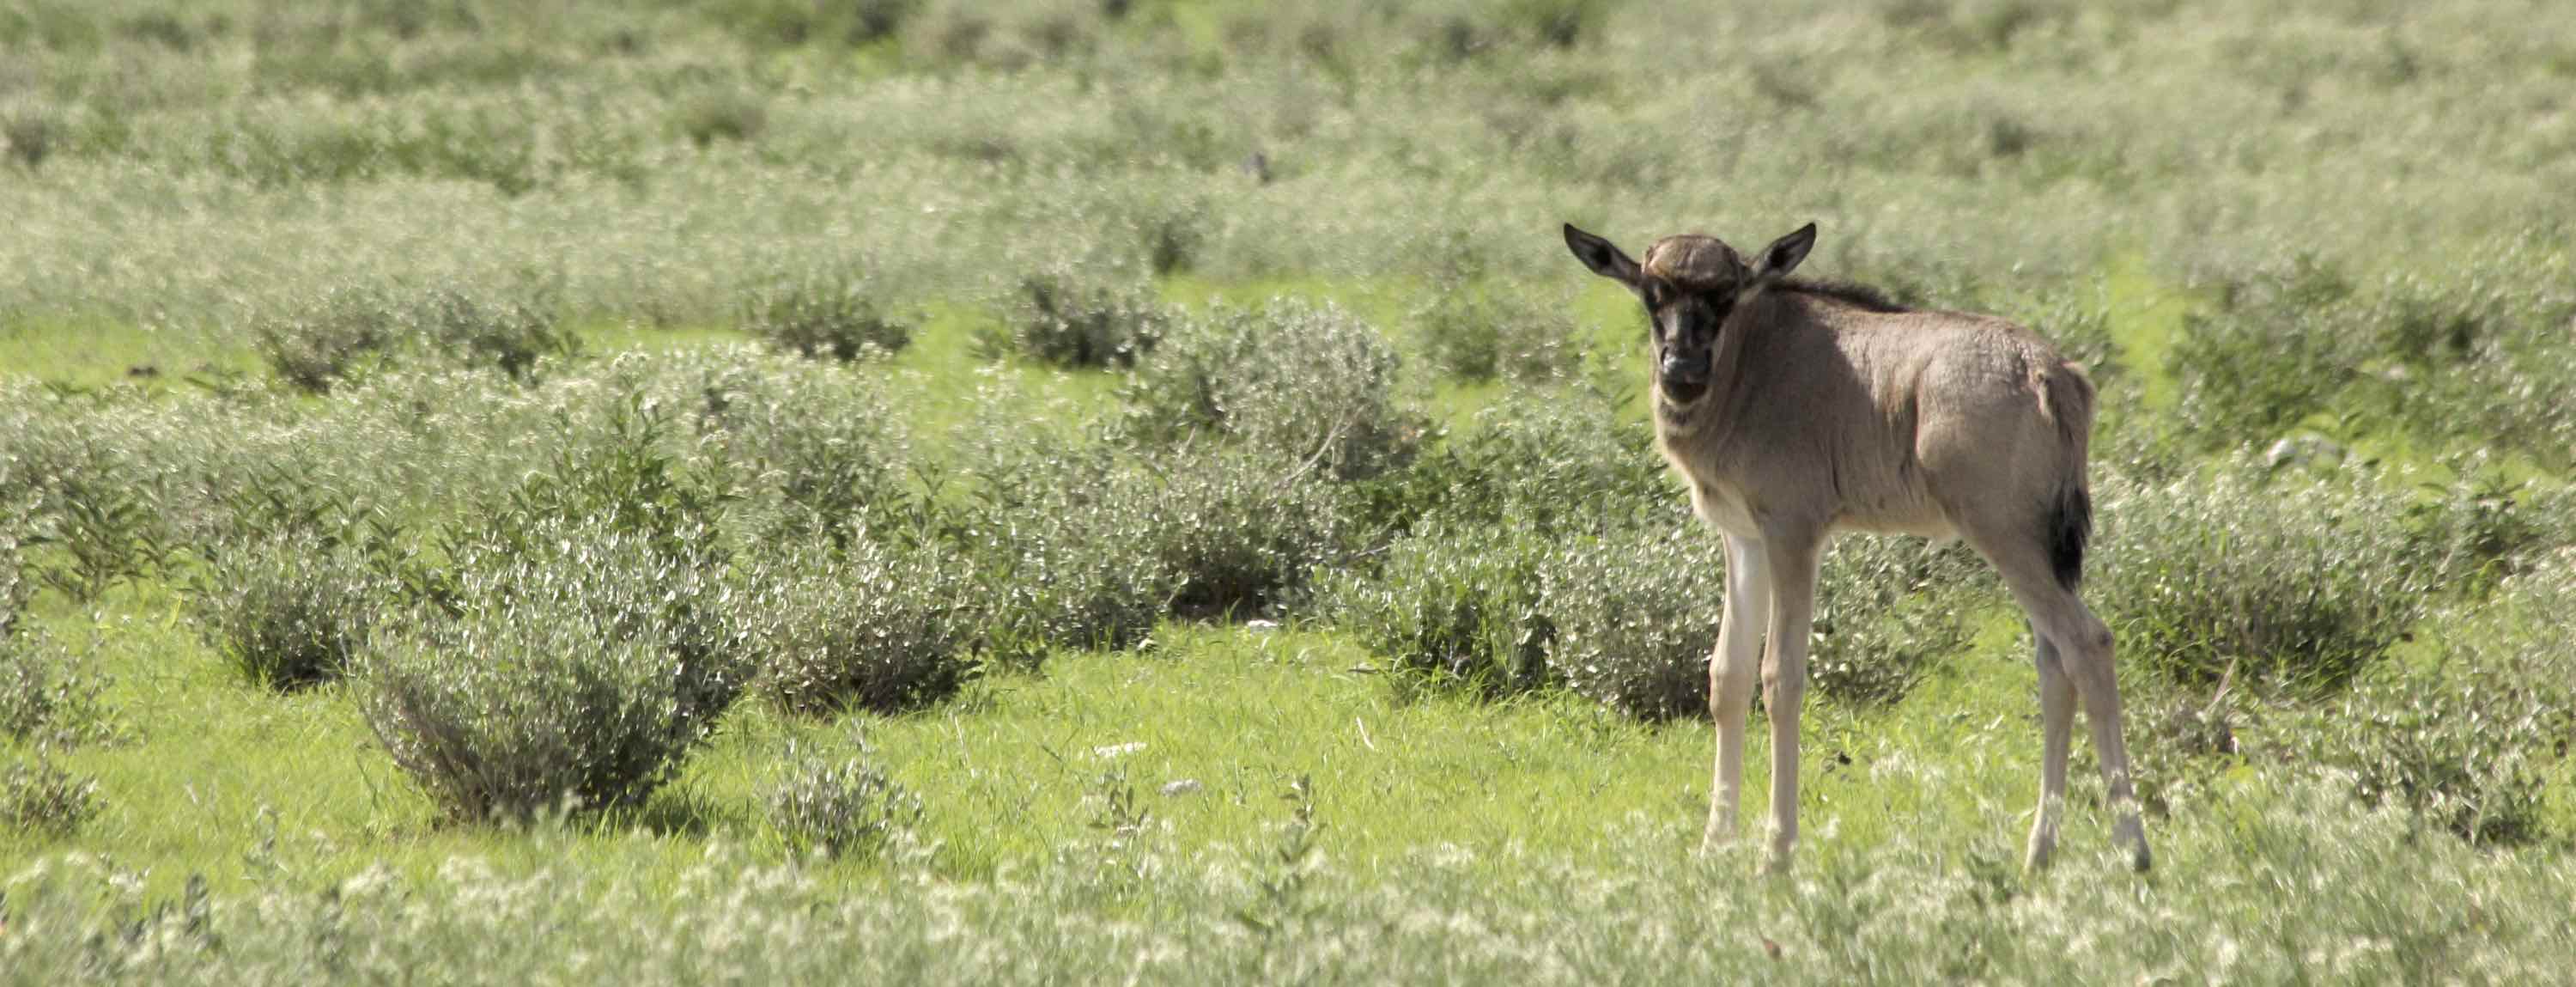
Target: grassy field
[(911, 490)]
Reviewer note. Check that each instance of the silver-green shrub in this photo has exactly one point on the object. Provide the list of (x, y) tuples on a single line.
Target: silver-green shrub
[(824, 313), (1557, 458), (1064, 556), (864, 626), (844, 808), (1887, 610), (578, 641), (2460, 357), (290, 610), (78, 473), (1079, 317), (1635, 612), (2239, 575), (349, 328), (1081, 544), (1458, 603), (1238, 531), (16, 590), (2469, 735), (806, 449), (48, 695), (579, 669), (39, 797), (1482, 330), (1292, 378), (804, 22)]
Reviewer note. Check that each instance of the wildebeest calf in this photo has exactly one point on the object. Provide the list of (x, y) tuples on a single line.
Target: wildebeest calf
[(1796, 409)]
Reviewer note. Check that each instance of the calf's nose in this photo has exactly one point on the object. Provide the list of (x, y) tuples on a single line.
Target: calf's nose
[(1685, 367)]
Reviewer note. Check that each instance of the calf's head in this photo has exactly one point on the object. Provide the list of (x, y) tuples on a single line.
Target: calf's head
[(1690, 284)]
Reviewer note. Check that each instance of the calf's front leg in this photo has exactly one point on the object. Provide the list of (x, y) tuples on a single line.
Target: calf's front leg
[(1731, 671), (1792, 555)]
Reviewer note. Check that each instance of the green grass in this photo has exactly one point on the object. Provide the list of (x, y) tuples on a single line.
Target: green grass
[(213, 767), (91, 352), (1443, 836), (2146, 312)]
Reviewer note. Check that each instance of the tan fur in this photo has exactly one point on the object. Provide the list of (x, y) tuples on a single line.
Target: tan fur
[(1694, 261), (1918, 422), (1823, 414)]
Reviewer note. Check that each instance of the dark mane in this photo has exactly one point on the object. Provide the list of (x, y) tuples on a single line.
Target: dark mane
[(1857, 295)]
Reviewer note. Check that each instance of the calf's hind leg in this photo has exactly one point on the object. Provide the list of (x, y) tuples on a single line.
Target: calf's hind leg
[(2081, 645), (2057, 728)]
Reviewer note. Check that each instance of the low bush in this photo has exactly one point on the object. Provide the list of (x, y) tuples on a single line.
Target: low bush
[(1071, 317), (1064, 557), (813, 447), (82, 485), (1481, 331), (1556, 458), (16, 590), (1626, 609), (1454, 32), (863, 626), (1310, 381), (40, 798), (801, 22), (721, 115), (1237, 532), (579, 640), (2468, 736), (824, 313), (1635, 612), (47, 694), (1888, 609), (2235, 576), (2277, 348), (617, 471), (955, 33), (2486, 526), (332, 338), (1080, 544), (30, 132), (1460, 604), (347, 329), (510, 330), (2455, 358), (838, 809), (576, 670), (289, 611), (109, 532)]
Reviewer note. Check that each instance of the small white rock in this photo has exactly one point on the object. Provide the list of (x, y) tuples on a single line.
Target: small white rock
[(1118, 750), (1184, 786), (1261, 625)]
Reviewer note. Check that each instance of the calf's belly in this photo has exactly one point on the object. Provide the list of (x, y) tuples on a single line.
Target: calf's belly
[(1933, 526)]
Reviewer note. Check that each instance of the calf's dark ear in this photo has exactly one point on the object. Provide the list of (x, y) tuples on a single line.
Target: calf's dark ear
[(1599, 255), (1783, 255)]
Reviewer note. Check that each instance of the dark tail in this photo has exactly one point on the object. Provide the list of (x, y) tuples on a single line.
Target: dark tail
[(2070, 525)]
